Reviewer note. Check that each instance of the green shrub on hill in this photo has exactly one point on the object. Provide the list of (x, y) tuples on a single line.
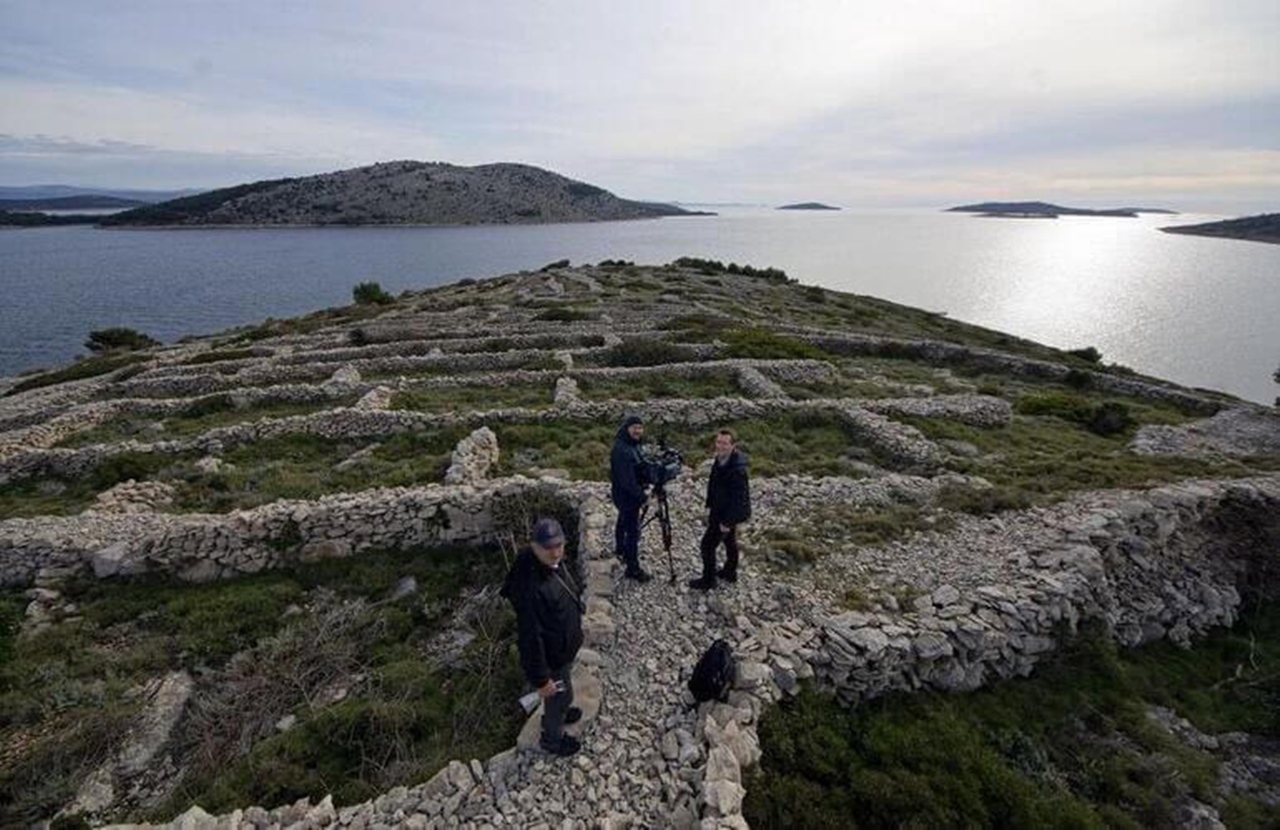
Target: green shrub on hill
[(118, 339), (371, 293), (1070, 747)]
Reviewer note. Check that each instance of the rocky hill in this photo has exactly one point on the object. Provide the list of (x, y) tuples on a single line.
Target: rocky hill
[(1043, 209), (1262, 228), (260, 568), (401, 193), (808, 206)]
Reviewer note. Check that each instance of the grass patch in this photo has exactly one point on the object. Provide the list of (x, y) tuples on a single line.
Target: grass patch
[(67, 694), (201, 415), (61, 497), (763, 344), (642, 353), (710, 384), (565, 314), (1070, 747), (304, 467), (839, 527), (456, 398), (807, 443), (90, 367), (1036, 459)]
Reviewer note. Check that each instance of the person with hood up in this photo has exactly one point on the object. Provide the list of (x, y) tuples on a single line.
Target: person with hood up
[(548, 630), (626, 486), (728, 505)]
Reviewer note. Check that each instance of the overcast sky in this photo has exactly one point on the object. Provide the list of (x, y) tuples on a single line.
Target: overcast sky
[(1160, 102)]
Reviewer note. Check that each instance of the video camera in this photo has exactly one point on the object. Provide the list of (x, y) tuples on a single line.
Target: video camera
[(661, 465)]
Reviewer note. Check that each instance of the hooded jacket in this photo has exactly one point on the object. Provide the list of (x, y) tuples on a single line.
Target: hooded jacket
[(625, 468), (728, 490), (548, 616)]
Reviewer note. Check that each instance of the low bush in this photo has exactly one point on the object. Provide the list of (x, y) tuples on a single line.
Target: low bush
[(647, 353), (564, 314), (1072, 746), (1105, 418), (371, 293), (1088, 354), (763, 344), (118, 339)]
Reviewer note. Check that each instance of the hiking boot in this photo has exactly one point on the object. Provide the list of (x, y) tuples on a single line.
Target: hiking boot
[(702, 584), (727, 576), (566, 746), (639, 575), (572, 715)]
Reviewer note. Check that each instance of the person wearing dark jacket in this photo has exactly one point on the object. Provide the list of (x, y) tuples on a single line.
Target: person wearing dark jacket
[(548, 630), (728, 505), (626, 486)]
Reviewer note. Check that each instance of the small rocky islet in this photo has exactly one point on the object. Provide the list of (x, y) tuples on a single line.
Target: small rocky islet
[(937, 507)]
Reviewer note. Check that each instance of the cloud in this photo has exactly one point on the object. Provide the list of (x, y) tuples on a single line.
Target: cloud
[(715, 100)]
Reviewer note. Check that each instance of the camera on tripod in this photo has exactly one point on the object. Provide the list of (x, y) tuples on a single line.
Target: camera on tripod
[(661, 466), (657, 468)]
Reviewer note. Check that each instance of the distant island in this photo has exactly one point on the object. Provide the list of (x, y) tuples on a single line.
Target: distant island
[(1045, 210), (808, 206), (400, 193), (1264, 227), (83, 202)]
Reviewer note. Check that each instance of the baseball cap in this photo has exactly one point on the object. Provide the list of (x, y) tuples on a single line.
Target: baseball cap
[(547, 533)]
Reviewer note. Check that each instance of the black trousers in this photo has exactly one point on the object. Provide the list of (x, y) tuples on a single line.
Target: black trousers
[(557, 706), (710, 541), (626, 537)]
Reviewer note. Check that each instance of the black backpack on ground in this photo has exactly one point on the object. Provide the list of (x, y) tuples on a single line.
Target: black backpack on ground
[(713, 675)]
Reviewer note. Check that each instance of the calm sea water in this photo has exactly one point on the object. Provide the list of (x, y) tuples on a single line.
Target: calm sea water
[(1203, 312)]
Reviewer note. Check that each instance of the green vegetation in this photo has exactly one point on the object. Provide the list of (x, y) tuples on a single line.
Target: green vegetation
[(839, 527), (642, 353), (1106, 418), (91, 367), (201, 415), (708, 384), (1036, 460), (1070, 747), (189, 209), (62, 497), (565, 314), (68, 694), (715, 266), (306, 467), (763, 344), (444, 398), (370, 293), (118, 340), (808, 443)]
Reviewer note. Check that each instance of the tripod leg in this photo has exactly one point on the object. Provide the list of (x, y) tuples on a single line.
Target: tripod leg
[(666, 539)]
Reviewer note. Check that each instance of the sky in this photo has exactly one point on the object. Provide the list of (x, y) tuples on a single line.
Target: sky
[(1095, 103)]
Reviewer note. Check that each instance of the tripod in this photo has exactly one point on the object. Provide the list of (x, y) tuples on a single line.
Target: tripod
[(663, 515)]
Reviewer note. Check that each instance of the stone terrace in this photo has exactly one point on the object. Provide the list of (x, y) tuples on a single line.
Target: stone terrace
[(964, 599)]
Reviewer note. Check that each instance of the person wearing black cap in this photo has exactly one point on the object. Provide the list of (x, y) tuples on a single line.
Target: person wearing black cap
[(548, 630), (626, 486)]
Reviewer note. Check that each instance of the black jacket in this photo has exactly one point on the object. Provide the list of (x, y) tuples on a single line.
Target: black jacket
[(728, 490), (548, 616), (626, 478)]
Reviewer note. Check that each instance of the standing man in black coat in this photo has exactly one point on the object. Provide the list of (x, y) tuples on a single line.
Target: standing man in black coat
[(626, 486), (729, 505), (549, 630)]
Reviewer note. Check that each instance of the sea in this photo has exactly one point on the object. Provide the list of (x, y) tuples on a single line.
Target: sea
[(1199, 311)]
